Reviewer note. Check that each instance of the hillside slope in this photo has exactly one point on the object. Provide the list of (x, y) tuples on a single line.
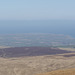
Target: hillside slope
[(32, 65), (61, 72), (30, 51)]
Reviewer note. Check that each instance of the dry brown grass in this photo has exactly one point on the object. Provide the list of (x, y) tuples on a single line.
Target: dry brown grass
[(35, 65), (61, 72)]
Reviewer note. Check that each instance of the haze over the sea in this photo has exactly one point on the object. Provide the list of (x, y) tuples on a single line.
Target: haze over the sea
[(37, 16), (46, 26)]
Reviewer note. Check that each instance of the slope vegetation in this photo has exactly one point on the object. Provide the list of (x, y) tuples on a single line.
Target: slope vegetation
[(30, 51), (34, 60), (35, 64), (61, 72)]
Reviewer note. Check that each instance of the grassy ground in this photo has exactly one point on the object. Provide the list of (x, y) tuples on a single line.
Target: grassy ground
[(35, 65), (38, 64), (61, 72)]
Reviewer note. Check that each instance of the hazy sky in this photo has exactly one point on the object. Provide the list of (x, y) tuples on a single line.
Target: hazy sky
[(37, 16), (37, 9)]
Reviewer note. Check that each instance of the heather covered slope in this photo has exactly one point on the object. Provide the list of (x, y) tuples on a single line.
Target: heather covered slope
[(61, 72), (34, 60), (30, 51)]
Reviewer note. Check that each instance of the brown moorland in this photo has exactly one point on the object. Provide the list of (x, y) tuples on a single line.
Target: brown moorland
[(32, 64), (61, 72)]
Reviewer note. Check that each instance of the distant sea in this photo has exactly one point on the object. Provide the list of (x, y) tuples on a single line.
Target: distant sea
[(66, 27)]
